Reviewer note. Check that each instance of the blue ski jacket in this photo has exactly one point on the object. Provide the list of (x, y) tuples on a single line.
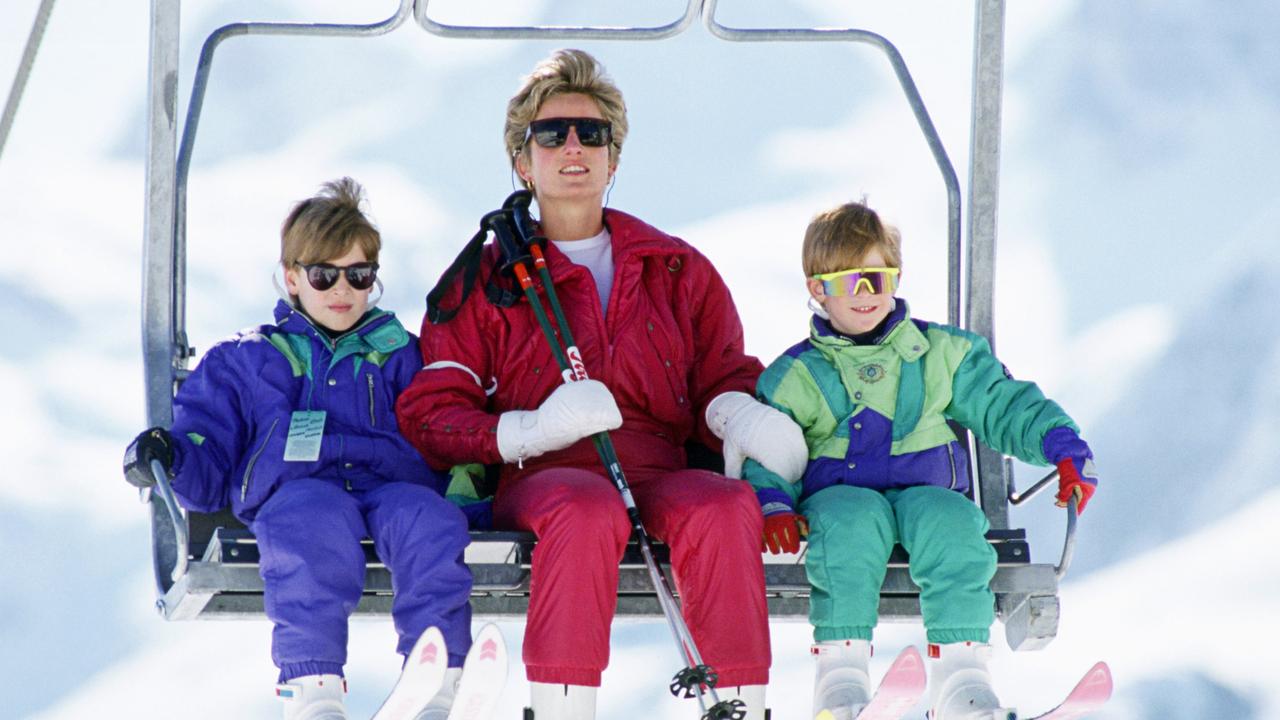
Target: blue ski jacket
[(233, 415)]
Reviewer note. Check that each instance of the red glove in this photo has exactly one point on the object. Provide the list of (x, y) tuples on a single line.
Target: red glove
[(1076, 477), (782, 532)]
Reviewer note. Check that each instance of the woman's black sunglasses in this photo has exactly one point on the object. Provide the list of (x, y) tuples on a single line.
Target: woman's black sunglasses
[(360, 276), (554, 132)]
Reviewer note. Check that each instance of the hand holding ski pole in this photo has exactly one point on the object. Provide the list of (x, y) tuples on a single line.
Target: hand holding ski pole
[(572, 411)]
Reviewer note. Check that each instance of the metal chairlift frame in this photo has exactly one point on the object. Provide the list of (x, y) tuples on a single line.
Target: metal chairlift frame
[(206, 565)]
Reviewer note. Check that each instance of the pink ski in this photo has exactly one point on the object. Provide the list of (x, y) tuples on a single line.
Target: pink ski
[(1091, 693), (483, 677), (423, 673), (899, 690)]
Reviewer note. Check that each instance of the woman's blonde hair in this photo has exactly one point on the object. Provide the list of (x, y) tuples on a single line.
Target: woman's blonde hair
[(840, 238), (565, 71)]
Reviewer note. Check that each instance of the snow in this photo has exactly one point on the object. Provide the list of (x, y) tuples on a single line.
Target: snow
[(1136, 264)]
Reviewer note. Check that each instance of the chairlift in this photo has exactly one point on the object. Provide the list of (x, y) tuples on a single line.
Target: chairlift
[(206, 564)]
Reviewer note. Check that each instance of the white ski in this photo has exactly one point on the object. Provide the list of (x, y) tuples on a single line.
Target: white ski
[(419, 681), (483, 677)]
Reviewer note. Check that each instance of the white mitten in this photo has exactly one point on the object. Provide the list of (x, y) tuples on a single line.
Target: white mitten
[(571, 412), (749, 428)]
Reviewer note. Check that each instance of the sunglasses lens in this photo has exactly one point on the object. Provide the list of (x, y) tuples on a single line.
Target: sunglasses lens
[(593, 133), (554, 132), (362, 275), (874, 282), (322, 277)]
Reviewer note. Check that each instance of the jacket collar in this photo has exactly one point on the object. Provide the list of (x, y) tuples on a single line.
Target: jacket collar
[(898, 333), (377, 331), (631, 238)]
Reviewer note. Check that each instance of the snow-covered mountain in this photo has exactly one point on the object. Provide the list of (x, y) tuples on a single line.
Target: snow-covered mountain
[(1136, 265)]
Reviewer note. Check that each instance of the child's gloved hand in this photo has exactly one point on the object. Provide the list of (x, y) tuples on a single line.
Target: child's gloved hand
[(152, 444), (783, 529), (1076, 477), (750, 428), (1076, 472)]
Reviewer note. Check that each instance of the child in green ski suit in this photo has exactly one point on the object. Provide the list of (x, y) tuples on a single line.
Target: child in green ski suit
[(873, 390)]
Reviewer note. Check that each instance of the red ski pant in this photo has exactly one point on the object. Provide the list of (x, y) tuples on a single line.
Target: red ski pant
[(713, 526)]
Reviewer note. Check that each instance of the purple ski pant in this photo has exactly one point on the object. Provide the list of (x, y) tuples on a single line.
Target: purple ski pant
[(313, 569)]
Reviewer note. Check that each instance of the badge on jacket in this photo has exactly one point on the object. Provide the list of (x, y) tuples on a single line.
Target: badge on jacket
[(306, 430)]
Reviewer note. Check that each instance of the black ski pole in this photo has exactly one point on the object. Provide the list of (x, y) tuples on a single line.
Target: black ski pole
[(696, 675)]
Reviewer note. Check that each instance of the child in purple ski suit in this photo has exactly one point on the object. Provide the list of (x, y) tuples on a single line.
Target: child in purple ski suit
[(293, 425)]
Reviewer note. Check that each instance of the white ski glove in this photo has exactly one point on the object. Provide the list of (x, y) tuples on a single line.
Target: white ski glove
[(571, 412), (750, 428)]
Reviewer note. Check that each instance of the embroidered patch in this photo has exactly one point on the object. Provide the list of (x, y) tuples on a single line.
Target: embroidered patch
[(872, 373)]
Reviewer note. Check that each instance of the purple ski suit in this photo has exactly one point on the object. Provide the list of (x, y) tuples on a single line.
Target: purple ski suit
[(232, 426)]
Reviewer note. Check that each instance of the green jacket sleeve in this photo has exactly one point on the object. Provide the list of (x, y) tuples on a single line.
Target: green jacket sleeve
[(1011, 416)]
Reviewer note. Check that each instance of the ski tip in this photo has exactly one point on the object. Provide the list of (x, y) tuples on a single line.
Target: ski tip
[(825, 715), (1099, 677), (489, 645), (430, 648)]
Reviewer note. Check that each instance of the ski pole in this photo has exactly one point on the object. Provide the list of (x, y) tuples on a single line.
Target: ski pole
[(695, 674)]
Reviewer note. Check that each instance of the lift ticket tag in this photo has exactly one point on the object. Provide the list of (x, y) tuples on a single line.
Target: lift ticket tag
[(306, 430)]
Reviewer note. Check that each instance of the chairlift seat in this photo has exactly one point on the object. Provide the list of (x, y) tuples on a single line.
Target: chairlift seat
[(222, 581)]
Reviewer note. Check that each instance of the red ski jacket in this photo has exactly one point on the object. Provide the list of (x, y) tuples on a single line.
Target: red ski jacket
[(670, 343)]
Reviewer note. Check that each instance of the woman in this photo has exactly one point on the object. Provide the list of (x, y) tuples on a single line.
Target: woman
[(661, 339)]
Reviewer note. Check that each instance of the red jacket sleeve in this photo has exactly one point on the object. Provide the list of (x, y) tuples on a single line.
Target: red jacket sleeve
[(720, 363), (444, 411)]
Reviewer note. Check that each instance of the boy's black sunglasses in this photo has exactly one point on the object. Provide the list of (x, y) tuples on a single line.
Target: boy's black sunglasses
[(360, 276), (554, 132)]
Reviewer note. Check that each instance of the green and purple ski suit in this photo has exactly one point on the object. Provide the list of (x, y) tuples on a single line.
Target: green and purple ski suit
[(885, 467)]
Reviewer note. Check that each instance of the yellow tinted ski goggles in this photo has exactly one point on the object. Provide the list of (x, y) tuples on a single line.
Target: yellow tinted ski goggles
[(849, 282)]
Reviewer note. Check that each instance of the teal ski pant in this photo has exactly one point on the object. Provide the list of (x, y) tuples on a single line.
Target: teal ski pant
[(851, 533)]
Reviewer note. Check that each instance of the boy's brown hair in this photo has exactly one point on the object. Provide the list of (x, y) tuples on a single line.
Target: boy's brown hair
[(840, 238), (565, 71), (328, 225)]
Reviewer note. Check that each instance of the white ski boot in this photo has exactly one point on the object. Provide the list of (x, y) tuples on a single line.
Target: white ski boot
[(960, 685), (842, 683), (313, 697), (751, 695), (442, 703), (554, 701)]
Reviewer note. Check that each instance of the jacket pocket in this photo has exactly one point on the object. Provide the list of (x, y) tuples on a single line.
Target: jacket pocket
[(253, 460)]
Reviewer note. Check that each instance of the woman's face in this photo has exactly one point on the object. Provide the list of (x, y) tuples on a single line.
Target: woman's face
[(571, 172)]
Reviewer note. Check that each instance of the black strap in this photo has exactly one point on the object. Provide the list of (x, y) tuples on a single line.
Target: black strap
[(513, 232), (467, 262)]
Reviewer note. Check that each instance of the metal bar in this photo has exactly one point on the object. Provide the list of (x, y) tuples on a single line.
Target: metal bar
[(203, 70), (984, 190), (1017, 498), (158, 291), (24, 70), (1073, 513), (557, 32), (181, 538), (905, 81)]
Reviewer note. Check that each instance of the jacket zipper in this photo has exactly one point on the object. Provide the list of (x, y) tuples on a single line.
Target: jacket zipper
[(248, 471), (951, 456), (372, 419)]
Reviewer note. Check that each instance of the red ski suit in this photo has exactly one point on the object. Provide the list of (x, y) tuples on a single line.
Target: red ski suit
[(670, 343)]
